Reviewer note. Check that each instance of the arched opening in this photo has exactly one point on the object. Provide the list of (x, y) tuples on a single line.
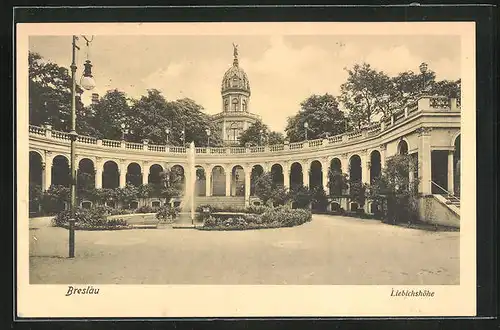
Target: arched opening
[(355, 169), (134, 174), (36, 169), (60, 171), (178, 178), (403, 148), (456, 167), (335, 207), (277, 175), (315, 175), (218, 181), (86, 175), (336, 178), (375, 166), (110, 175), (296, 175), (154, 176), (200, 187), (257, 171), (35, 181), (237, 181)]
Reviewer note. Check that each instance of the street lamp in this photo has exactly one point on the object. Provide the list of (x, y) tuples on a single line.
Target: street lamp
[(125, 130), (423, 70), (306, 128), (261, 131), (167, 132), (88, 83), (208, 136), (183, 137)]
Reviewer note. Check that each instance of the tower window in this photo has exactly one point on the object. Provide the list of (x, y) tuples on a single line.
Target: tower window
[(235, 104), (226, 104), (244, 105)]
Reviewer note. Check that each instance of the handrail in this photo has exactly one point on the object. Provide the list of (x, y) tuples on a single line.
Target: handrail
[(446, 191)]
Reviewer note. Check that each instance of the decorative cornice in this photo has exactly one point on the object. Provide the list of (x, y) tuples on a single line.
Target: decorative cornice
[(423, 131)]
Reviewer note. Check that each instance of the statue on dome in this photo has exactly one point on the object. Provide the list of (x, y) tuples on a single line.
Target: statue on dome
[(235, 50)]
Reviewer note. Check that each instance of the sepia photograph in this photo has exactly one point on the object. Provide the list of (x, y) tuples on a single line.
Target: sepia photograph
[(273, 155)]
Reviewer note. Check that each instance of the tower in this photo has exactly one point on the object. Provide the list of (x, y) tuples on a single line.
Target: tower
[(235, 93)]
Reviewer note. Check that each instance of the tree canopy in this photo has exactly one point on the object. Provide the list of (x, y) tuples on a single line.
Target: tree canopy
[(322, 114), (252, 135)]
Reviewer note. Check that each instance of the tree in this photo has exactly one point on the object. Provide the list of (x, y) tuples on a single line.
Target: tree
[(301, 195), (109, 113), (394, 189), (280, 195), (366, 93), (50, 96), (319, 199), (264, 187), (337, 182), (323, 116), (252, 135)]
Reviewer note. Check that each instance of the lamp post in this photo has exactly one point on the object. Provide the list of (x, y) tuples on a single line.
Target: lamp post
[(125, 130), (87, 82), (423, 70), (167, 132), (306, 128), (261, 135), (183, 137), (208, 136)]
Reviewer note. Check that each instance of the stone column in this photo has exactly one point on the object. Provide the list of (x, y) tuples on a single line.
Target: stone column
[(424, 160), (306, 171), (324, 172), (98, 176), (365, 167), (208, 183), (451, 174), (228, 181), (248, 171), (123, 175), (224, 128), (145, 176), (286, 175), (46, 175), (382, 157), (345, 163)]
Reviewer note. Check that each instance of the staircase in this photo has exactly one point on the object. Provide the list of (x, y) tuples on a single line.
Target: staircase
[(450, 199), (230, 201)]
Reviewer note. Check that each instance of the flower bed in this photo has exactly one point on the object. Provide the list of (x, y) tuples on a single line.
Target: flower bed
[(90, 219), (270, 218)]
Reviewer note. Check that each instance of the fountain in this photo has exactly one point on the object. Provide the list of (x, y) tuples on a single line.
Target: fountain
[(187, 203)]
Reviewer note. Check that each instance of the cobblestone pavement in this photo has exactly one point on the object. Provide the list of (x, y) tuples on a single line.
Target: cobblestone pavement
[(327, 250)]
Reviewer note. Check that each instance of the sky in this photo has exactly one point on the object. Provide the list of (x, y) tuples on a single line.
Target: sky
[(283, 69)]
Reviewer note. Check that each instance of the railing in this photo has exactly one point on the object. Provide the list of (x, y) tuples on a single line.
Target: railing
[(156, 148), (449, 194), (134, 146), (87, 139), (316, 143), (438, 103)]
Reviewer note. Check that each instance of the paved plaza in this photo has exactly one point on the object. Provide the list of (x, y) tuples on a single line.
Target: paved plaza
[(327, 250)]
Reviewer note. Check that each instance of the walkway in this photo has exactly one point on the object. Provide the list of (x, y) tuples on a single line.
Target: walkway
[(328, 250)]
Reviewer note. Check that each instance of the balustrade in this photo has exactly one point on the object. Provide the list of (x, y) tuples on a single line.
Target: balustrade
[(423, 104)]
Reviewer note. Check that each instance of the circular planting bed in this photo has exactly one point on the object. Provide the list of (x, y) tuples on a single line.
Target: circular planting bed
[(266, 218)]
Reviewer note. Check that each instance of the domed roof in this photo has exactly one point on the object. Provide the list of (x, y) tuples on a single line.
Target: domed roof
[(235, 79)]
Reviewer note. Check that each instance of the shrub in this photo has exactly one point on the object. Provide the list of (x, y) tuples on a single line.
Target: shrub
[(301, 196), (89, 219), (167, 213), (54, 199), (147, 209)]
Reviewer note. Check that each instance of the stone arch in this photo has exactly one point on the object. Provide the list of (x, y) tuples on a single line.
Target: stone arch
[(134, 174), (201, 178), (154, 175), (40, 153), (277, 174), (403, 147), (375, 165), (218, 180), (238, 181), (335, 177), (61, 175), (35, 168), (86, 174), (296, 175), (315, 174), (110, 175), (355, 172), (256, 171)]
